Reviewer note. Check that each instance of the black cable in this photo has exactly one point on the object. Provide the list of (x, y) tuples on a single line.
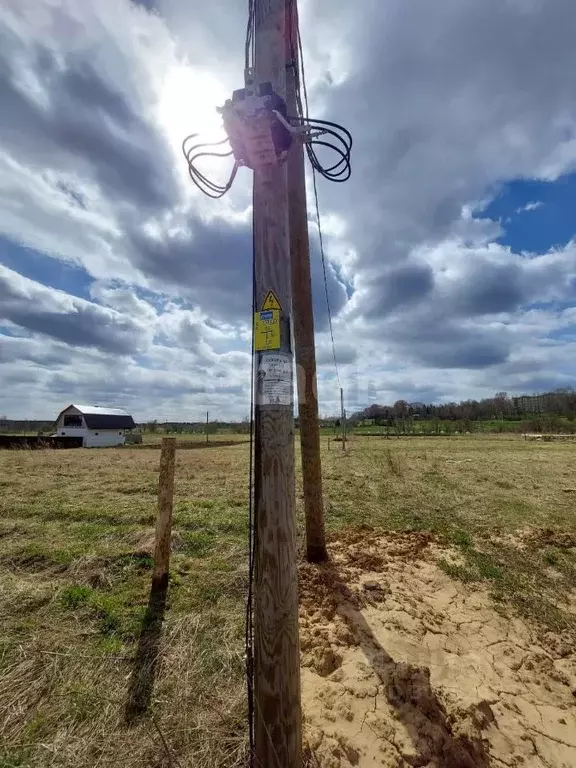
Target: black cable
[(321, 239), (341, 144), (249, 62), (210, 188), (249, 637), (331, 129), (340, 171), (251, 528), (196, 176), (334, 172)]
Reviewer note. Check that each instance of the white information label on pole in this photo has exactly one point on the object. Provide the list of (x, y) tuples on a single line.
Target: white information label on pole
[(274, 379)]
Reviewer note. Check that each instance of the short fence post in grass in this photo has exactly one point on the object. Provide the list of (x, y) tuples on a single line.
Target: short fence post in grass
[(164, 520)]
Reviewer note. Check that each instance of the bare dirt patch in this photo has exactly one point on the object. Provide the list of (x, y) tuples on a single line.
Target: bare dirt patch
[(402, 666)]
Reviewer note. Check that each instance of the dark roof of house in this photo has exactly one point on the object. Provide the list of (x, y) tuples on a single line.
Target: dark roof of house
[(108, 421), (100, 417)]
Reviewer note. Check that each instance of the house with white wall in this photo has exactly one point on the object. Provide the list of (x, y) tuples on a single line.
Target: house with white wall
[(98, 425)]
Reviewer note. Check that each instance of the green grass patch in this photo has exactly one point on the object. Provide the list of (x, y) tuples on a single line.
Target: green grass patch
[(480, 566), (15, 757), (114, 613), (83, 702), (75, 596), (551, 557), (461, 539), (459, 572), (198, 543)]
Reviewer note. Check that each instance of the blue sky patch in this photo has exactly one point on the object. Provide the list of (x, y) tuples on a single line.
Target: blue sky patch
[(535, 215), (566, 333), (45, 270)]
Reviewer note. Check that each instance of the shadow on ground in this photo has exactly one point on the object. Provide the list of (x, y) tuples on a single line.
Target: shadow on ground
[(407, 687), (146, 659)]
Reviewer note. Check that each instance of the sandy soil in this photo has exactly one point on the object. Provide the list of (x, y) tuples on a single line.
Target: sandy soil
[(402, 666)]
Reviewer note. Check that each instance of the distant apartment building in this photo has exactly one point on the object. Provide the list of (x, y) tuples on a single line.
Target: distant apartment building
[(529, 404)]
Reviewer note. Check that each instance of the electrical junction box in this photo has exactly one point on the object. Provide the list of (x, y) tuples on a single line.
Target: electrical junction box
[(257, 127)]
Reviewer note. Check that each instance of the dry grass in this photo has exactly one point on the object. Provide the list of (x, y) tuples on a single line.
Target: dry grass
[(197, 437), (75, 535)]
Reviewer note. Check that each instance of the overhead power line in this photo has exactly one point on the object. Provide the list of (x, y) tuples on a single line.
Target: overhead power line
[(326, 291), (338, 172)]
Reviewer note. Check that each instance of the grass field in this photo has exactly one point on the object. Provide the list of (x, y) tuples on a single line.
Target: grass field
[(535, 423), (76, 533), (196, 437)]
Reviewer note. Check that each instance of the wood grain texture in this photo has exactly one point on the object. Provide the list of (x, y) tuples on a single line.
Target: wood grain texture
[(165, 504), (303, 329), (277, 733)]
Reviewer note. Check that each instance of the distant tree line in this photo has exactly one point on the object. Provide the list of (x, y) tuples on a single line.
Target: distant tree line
[(25, 426), (538, 412)]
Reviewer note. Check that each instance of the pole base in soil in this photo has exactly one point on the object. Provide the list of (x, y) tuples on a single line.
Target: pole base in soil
[(316, 553)]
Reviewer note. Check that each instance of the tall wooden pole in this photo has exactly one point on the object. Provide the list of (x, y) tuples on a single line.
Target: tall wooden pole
[(342, 419), (277, 726), (207, 420), (303, 317)]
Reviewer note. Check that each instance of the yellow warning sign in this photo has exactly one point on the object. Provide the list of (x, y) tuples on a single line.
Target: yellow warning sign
[(271, 301), (267, 329)]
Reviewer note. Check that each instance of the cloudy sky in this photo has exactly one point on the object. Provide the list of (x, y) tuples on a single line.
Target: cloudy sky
[(452, 259)]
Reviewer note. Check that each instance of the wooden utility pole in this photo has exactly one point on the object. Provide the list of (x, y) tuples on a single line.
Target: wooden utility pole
[(164, 519), (207, 420), (303, 316), (342, 420), (277, 712)]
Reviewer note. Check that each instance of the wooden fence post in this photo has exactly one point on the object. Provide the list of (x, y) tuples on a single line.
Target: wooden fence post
[(164, 520)]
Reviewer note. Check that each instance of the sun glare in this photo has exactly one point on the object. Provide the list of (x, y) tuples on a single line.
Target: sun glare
[(188, 105)]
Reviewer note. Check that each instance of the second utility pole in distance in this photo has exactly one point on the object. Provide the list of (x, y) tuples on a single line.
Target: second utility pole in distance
[(342, 419), (302, 315)]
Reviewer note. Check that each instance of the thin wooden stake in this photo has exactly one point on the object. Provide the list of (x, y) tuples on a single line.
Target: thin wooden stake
[(164, 519)]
